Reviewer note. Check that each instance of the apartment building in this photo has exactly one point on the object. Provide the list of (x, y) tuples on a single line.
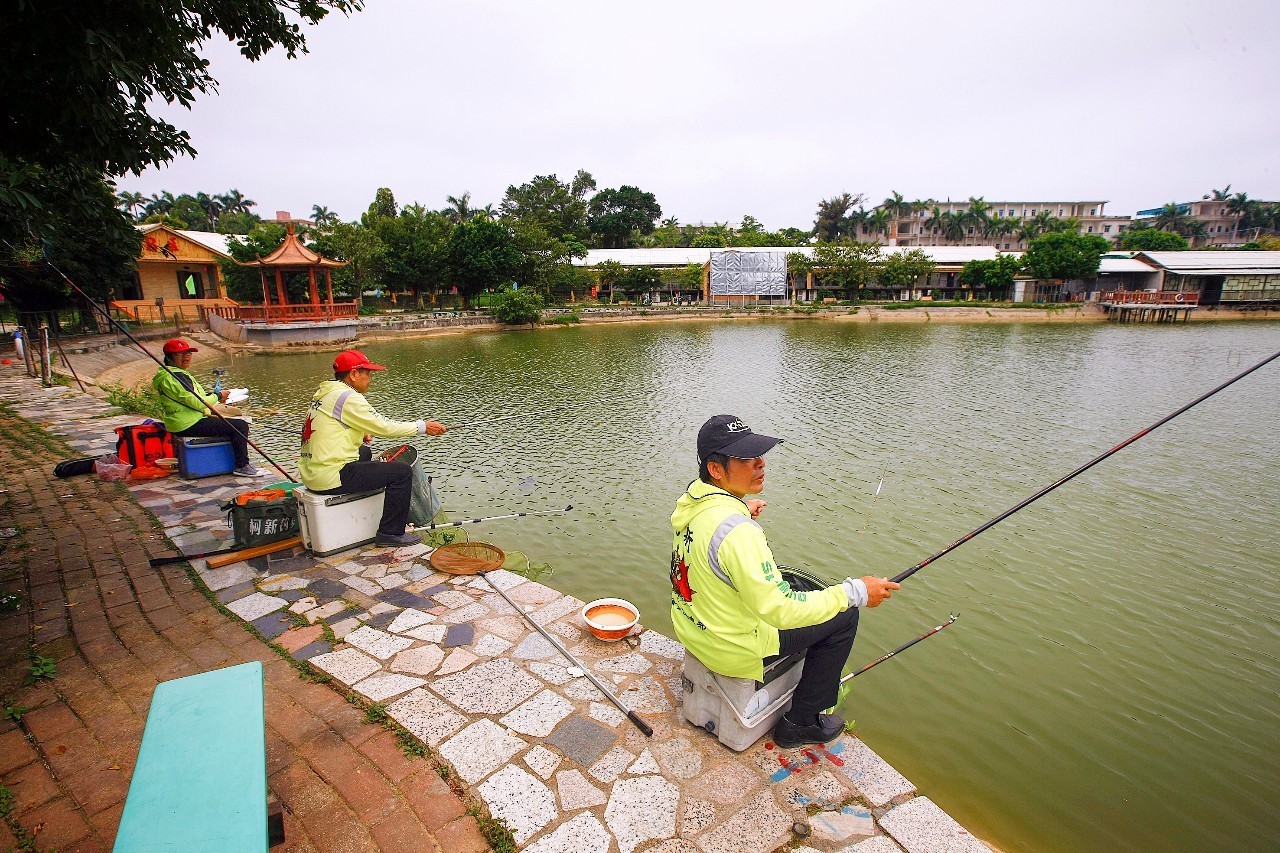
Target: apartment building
[(1220, 224), (913, 230)]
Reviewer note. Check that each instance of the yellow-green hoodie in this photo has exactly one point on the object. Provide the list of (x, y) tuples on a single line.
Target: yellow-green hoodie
[(180, 398), (728, 599), (337, 422)]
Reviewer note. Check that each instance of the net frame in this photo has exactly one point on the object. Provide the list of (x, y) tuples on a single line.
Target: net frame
[(467, 558)]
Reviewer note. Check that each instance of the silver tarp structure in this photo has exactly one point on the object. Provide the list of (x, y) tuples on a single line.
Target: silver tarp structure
[(748, 274)]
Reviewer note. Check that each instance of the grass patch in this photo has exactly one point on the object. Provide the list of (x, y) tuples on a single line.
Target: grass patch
[(139, 401), (563, 320), (41, 668)]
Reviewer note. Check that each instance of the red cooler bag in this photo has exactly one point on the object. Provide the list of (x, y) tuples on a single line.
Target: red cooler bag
[(143, 444)]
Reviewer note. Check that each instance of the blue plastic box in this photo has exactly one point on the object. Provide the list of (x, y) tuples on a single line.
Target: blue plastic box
[(204, 457)]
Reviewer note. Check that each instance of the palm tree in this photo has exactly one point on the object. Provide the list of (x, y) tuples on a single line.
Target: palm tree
[(212, 207), (322, 216), (233, 201), (131, 202), (1027, 231), (935, 222), (953, 225), (1173, 217), (1044, 222), (850, 224), (879, 222), (459, 209), (977, 215), (1220, 195), (161, 202), (1239, 206), (486, 212), (832, 215), (895, 207)]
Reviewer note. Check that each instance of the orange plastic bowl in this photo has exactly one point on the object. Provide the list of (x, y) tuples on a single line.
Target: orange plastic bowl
[(610, 618)]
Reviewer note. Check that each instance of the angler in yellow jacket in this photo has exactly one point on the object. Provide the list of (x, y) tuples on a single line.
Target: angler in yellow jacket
[(185, 405), (730, 605), (335, 459)]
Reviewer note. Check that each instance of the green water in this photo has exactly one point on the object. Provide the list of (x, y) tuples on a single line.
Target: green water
[(1112, 681)]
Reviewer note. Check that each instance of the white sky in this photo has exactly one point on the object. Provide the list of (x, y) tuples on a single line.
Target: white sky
[(728, 108)]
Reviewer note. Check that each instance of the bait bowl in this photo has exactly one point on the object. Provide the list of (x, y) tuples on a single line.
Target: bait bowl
[(610, 618)]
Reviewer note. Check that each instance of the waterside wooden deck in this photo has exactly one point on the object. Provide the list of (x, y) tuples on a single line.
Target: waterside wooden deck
[(1146, 306)]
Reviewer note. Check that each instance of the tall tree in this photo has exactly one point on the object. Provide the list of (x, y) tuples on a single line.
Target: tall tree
[(1173, 217), (480, 254), (557, 208), (383, 206), (132, 203), (895, 207), (1238, 206), (977, 215), (104, 66), (416, 244), (936, 222), (829, 223), (1064, 255), (904, 270), (458, 208), (1152, 240), (234, 201), (615, 215), (323, 217)]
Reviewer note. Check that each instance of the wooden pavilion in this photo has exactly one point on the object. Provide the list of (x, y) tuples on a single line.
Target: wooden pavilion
[(293, 258)]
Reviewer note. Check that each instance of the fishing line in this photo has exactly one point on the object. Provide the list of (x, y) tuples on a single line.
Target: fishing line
[(866, 521), (113, 321), (993, 522)]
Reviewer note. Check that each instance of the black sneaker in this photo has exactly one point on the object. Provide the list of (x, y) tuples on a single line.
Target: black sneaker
[(393, 540), (788, 735)]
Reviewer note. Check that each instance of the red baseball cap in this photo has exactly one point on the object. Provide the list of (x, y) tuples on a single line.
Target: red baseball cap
[(353, 359), (178, 345)]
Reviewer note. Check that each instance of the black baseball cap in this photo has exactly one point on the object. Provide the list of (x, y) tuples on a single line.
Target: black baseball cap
[(728, 435)]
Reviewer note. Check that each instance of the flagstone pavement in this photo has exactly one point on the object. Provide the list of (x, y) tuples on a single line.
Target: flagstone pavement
[(450, 661)]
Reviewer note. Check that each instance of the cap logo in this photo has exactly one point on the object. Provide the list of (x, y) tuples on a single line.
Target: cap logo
[(737, 426)]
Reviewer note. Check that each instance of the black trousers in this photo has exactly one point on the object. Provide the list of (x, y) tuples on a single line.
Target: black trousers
[(826, 648), (395, 477), (234, 429)]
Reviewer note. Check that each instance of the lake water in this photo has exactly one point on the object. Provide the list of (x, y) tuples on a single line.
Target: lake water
[(1113, 680)]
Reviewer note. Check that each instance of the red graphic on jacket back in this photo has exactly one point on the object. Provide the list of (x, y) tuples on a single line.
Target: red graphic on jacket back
[(306, 431), (680, 577)]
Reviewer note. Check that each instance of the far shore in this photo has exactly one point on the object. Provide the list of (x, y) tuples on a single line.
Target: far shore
[(138, 372)]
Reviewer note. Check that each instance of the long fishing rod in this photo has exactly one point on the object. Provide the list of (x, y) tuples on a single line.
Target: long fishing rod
[(1046, 490), (902, 648), (113, 321), (509, 417), (493, 518)]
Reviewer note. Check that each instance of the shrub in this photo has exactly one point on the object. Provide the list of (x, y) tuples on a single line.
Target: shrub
[(516, 307)]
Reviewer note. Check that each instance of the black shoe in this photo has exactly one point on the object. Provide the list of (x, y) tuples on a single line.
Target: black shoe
[(393, 540), (788, 735)]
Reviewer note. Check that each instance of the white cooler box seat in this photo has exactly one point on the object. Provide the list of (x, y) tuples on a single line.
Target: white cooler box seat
[(332, 523), (739, 711)]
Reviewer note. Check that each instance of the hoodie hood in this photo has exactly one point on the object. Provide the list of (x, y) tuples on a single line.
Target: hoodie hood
[(325, 388), (699, 498)]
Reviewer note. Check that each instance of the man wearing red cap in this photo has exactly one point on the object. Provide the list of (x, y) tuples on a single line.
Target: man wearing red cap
[(186, 404), (334, 460)]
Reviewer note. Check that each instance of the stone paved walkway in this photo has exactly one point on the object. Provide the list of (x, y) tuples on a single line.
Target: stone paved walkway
[(452, 663), (116, 627)]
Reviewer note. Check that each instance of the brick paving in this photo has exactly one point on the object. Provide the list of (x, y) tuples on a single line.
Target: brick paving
[(115, 628), (445, 657)]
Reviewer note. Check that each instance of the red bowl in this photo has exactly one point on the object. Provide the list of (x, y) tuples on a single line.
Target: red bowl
[(606, 618)]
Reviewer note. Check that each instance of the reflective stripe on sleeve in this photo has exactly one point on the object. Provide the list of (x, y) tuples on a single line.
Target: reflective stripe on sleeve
[(339, 403), (713, 549)]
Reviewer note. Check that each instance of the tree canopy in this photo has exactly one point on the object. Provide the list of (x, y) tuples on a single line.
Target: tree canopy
[(615, 215), (480, 254), (1060, 255), (1153, 240), (105, 67)]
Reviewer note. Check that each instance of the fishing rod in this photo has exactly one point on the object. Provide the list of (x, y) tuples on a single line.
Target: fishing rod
[(434, 526), (1046, 490), (113, 321), (902, 648)]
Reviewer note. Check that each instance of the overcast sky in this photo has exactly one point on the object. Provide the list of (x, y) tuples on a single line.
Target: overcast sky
[(728, 108)]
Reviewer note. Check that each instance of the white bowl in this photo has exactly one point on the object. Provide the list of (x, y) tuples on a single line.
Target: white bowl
[(610, 632)]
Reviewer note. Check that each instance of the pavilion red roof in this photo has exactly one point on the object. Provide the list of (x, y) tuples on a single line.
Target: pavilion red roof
[(292, 253)]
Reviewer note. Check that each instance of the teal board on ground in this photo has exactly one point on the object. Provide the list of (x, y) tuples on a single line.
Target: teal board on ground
[(200, 783)]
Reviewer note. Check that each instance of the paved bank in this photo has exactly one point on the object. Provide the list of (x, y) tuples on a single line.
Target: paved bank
[(450, 663), (113, 627)]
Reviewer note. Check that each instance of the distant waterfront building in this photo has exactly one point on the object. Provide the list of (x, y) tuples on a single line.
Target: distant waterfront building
[(1220, 224), (913, 230)]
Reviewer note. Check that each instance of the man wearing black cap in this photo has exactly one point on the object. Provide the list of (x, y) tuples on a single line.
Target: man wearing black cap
[(730, 605)]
